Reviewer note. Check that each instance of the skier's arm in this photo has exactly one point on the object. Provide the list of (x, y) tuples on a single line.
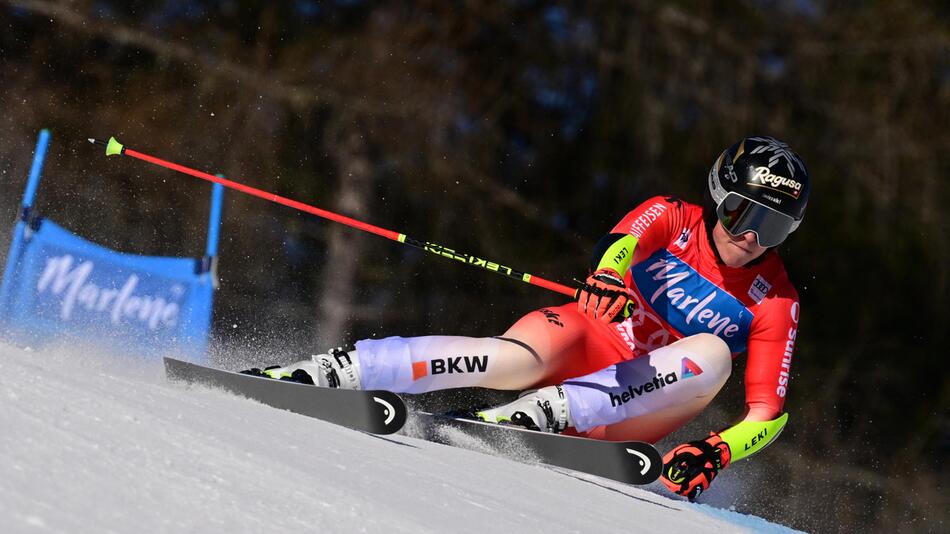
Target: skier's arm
[(690, 468), (605, 295), (640, 233), (749, 437), (614, 252), (771, 345)]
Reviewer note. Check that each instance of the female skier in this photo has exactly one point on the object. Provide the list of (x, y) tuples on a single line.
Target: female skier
[(676, 292)]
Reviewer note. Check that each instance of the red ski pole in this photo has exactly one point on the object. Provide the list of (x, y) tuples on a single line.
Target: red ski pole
[(113, 147)]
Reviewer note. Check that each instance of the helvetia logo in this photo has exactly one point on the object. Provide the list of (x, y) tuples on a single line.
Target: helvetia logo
[(458, 364), (659, 381), (690, 369)]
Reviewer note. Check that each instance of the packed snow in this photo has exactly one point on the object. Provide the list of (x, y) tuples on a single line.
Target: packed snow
[(96, 443)]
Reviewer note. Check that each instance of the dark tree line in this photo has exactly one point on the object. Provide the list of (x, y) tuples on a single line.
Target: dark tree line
[(521, 131)]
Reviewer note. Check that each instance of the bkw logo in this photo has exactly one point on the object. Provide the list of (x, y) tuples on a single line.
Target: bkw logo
[(458, 364)]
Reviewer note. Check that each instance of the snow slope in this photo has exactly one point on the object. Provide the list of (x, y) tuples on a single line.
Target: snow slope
[(93, 443)]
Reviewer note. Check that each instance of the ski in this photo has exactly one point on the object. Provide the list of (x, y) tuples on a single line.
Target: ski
[(383, 412), (631, 462), (379, 412)]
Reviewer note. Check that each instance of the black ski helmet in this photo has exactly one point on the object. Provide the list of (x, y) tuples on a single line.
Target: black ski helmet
[(759, 185)]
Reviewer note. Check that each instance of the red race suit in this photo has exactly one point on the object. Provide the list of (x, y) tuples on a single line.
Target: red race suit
[(681, 289)]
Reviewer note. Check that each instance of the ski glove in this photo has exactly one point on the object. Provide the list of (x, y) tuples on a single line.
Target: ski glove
[(604, 297), (690, 468)]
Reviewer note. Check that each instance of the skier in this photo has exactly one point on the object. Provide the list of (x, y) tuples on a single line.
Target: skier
[(676, 291)]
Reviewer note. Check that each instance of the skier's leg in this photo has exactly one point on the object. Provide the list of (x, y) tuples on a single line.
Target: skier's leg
[(429, 363), (528, 352), (425, 363), (647, 398), (569, 344), (641, 399), (544, 347)]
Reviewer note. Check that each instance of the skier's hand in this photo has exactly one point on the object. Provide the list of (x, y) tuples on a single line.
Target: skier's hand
[(690, 468), (604, 297)]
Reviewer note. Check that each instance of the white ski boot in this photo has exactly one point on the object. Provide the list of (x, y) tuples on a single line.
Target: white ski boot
[(336, 369), (542, 409)]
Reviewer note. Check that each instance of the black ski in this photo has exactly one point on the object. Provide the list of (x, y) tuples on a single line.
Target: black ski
[(632, 462), (379, 412)]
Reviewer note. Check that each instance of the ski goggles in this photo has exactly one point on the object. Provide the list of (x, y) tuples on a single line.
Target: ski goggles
[(739, 215)]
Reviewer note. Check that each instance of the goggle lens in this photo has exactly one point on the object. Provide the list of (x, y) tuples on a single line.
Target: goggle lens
[(739, 215)]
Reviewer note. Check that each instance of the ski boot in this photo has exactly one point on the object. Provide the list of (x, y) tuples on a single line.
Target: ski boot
[(336, 369), (544, 410)]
